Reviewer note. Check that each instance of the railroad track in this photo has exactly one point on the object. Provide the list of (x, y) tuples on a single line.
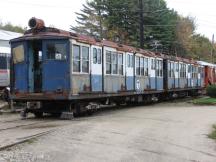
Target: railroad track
[(15, 131), (24, 139), (21, 125)]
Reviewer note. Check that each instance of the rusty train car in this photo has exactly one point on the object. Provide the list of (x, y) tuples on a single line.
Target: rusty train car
[(54, 71)]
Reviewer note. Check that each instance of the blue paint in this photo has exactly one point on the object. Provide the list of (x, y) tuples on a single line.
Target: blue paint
[(30, 71), (115, 87), (183, 82), (160, 84), (195, 82), (189, 82), (20, 72), (146, 83), (176, 83), (199, 82), (171, 83), (56, 73), (153, 83), (20, 78), (130, 83), (96, 81)]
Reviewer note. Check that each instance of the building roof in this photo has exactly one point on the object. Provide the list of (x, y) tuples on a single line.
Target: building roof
[(5, 50), (7, 35)]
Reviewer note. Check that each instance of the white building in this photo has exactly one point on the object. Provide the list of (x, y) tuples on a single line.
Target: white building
[(5, 37), (5, 50)]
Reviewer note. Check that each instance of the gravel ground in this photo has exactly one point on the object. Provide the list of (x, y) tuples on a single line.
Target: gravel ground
[(166, 132)]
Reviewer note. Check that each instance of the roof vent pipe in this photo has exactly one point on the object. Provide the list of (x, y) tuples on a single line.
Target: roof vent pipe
[(35, 23)]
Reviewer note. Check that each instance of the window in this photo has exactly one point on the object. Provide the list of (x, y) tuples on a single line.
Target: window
[(114, 63), (80, 59), (146, 66), (160, 68), (85, 59), (185, 71), (137, 65), (130, 61), (181, 71), (108, 62), (76, 58), (142, 66), (120, 63), (172, 70), (153, 62), (97, 56), (56, 51), (18, 54), (177, 67), (40, 56), (3, 61), (189, 68), (169, 69)]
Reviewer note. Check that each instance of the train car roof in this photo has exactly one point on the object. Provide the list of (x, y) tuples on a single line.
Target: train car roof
[(203, 63), (53, 33)]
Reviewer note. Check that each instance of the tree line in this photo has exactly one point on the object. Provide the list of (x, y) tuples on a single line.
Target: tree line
[(13, 28), (164, 29)]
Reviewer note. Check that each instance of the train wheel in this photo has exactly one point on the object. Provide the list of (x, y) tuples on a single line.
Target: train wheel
[(38, 114), (56, 115)]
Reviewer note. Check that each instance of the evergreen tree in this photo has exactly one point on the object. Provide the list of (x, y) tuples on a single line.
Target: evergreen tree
[(92, 19), (13, 28), (164, 29)]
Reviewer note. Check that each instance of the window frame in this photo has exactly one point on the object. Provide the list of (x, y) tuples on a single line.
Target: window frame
[(24, 55), (146, 66), (56, 42), (121, 65), (81, 58), (130, 60), (112, 64), (98, 56), (138, 58), (153, 63)]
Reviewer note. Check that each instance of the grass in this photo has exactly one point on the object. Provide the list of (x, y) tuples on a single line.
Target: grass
[(213, 134), (205, 101)]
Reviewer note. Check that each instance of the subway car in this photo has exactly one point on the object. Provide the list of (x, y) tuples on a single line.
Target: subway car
[(59, 72), (4, 72)]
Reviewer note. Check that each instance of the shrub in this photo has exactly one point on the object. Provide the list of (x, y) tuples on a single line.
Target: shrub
[(211, 91)]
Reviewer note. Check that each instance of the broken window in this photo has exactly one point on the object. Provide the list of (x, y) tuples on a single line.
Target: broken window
[(97, 56), (18, 54), (56, 51)]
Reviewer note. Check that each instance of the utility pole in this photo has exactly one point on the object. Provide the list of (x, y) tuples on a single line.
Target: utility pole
[(141, 24), (212, 50)]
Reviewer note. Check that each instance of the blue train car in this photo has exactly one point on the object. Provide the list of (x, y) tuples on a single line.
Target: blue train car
[(55, 71)]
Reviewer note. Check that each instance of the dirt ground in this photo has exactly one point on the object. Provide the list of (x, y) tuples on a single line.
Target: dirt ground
[(165, 132)]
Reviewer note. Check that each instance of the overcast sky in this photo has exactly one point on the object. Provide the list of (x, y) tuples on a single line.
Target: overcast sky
[(61, 14)]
